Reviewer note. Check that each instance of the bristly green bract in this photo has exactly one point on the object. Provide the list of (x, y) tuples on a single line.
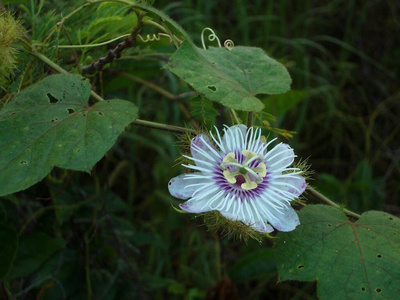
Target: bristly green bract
[(235, 230)]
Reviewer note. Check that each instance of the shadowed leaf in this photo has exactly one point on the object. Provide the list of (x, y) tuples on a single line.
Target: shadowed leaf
[(255, 265), (8, 248), (33, 251)]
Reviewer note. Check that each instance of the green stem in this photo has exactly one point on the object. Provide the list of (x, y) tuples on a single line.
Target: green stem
[(56, 67), (165, 127), (150, 22), (148, 84), (61, 22), (328, 201), (47, 61), (249, 119), (96, 96), (164, 93), (93, 45), (139, 122), (234, 116)]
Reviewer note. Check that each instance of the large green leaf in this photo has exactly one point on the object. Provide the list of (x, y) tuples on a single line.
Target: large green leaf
[(51, 124), (8, 248), (349, 260), (33, 251), (230, 77)]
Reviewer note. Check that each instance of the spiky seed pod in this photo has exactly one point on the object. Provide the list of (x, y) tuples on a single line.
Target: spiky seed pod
[(10, 32)]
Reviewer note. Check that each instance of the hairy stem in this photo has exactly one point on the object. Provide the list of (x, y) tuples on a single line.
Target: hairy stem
[(59, 69), (128, 42), (93, 45), (328, 201), (139, 122), (165, 127), (155, 24), (166, 94), (48, 62), (234, 116), (73, 50)]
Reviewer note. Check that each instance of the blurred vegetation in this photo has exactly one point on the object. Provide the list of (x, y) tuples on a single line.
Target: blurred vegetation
[(122, 239)]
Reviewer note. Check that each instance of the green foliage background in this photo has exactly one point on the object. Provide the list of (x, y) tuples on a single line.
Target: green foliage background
[(112, 234)]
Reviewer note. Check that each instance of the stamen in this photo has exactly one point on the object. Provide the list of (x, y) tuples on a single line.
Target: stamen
[(257, 173), (230, 157), (248, 185), (230, 176), (257, 176), (261, 169)]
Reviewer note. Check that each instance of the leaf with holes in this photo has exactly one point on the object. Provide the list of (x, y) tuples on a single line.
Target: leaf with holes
[(232, 78), (51, 124), (349, 260)]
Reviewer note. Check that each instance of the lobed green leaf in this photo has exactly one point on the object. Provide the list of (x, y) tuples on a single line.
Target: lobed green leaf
[(51, 124), (230, 77), (349, 260)]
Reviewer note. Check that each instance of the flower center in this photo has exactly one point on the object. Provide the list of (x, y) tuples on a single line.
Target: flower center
[(242, 174)]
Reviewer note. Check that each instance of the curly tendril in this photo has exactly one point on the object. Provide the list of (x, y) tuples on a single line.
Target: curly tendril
[(211, 37), (154, 37), (228, 44)]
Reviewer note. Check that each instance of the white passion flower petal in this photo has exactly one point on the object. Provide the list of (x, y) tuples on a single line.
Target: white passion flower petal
[(202, 149), (248, 215), (292, 183), (262, 226), (243, 180), (180, 188), (234, 137), (283, 219), (200, 205), (279, 157)]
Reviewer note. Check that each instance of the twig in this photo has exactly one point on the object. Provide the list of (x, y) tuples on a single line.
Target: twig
[(61, 70), (328, 201), (73, 50), (164, 127), (249, 119), (165, 93), (129, 41), (144, 123), (234, 116)]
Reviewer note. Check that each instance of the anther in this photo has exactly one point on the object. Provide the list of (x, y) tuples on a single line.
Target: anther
[(252, 176)]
